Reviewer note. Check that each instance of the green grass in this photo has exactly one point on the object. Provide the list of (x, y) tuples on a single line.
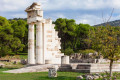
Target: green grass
[(23, 56), (37, 76)]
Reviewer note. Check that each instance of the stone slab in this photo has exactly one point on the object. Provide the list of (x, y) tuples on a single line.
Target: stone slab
[(37, 68)]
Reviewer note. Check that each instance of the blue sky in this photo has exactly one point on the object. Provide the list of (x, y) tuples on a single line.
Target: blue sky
[(83, 11)]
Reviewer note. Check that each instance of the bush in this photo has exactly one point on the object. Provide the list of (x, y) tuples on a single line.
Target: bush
[(68, 51), (87, 51)]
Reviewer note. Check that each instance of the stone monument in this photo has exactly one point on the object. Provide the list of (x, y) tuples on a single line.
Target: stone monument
[(47, 47)]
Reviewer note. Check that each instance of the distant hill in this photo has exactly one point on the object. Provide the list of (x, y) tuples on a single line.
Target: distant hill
[(112, 23)]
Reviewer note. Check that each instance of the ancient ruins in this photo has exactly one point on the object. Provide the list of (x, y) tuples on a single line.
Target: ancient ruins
[(46, 50)]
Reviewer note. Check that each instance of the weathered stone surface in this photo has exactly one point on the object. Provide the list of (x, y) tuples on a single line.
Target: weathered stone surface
[(2, 65), (91, 68), (79, 78), (52, 72), (37, 68), (23, 61), (65, 59), (44, 32)]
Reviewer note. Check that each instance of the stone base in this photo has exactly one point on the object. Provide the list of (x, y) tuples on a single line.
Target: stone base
[(35, 68), (89, 68)]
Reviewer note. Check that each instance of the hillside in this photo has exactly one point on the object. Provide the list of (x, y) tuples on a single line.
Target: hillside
[(112, 23)]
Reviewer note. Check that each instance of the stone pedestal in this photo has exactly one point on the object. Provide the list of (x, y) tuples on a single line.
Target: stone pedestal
[(65, 59), (31, 54), (52, 72)]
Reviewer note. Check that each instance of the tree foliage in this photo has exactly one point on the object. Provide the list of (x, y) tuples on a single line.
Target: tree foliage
[(106, 41), (72, 35), (12, 34)]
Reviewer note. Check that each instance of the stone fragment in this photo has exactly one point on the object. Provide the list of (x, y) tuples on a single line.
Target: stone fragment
[(52, 72), (23, 61), (79, 78)]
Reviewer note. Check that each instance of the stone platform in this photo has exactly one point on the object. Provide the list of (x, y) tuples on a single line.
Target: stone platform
[(89, 67), (73, 67), (35, 68)]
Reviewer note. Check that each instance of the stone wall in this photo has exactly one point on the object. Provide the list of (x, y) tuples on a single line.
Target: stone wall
[(90, 68)]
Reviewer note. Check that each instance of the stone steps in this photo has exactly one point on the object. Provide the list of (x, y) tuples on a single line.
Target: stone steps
[(66, 68), (81, 70)]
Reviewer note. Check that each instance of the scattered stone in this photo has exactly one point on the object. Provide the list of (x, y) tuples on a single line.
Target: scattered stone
[(89, 77), (104, 79), (79, 78), (97, 74), (110, 78), (14, 62), (115, 78), (23, 61), (105, 76), (2, 65), (100, 76), (96, 77)]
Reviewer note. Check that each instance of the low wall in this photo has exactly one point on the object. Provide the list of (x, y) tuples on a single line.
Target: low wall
[(90, 61), (92, 68)]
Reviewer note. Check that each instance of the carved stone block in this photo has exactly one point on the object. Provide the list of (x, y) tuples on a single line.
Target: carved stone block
[(52, 72)]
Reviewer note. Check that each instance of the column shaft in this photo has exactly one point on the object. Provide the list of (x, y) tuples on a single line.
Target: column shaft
[(39, 43), (31, 54)]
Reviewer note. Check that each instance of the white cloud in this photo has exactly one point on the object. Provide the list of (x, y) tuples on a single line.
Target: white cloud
[(81, 4), (20, 15), (13, 5), (89, 19), (15, 8)]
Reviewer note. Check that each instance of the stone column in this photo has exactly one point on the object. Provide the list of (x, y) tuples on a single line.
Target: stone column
[(31, 54), (39, 43), (65, 60)]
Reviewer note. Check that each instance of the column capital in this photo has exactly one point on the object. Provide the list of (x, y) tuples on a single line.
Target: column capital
[(31, 23), (39, 22), (42, 21)]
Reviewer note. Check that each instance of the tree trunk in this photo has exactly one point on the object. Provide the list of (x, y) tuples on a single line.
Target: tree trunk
[(111, 64)]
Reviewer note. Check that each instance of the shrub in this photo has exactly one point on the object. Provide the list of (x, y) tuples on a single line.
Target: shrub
[(87, 51), (68, 51)]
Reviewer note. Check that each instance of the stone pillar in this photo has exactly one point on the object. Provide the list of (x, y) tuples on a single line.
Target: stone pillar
[(31, 54), (65, 59), (39, 43)]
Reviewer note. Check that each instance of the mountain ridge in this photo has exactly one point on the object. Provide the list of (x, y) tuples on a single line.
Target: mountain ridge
[(111, 23)]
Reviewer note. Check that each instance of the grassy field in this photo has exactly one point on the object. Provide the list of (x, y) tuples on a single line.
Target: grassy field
[(37, 76)]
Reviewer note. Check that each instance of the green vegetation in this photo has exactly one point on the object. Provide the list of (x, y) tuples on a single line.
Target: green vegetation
[(105, 40), (13, 36), (37, 76), (74, 38), (72, 35), (41, 76), (87, 51), (11, 65)]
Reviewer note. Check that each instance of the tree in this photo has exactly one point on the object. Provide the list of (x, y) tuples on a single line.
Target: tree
[(21, 32), (16, 45), (11, 36), (72, 35), (105, 40)]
